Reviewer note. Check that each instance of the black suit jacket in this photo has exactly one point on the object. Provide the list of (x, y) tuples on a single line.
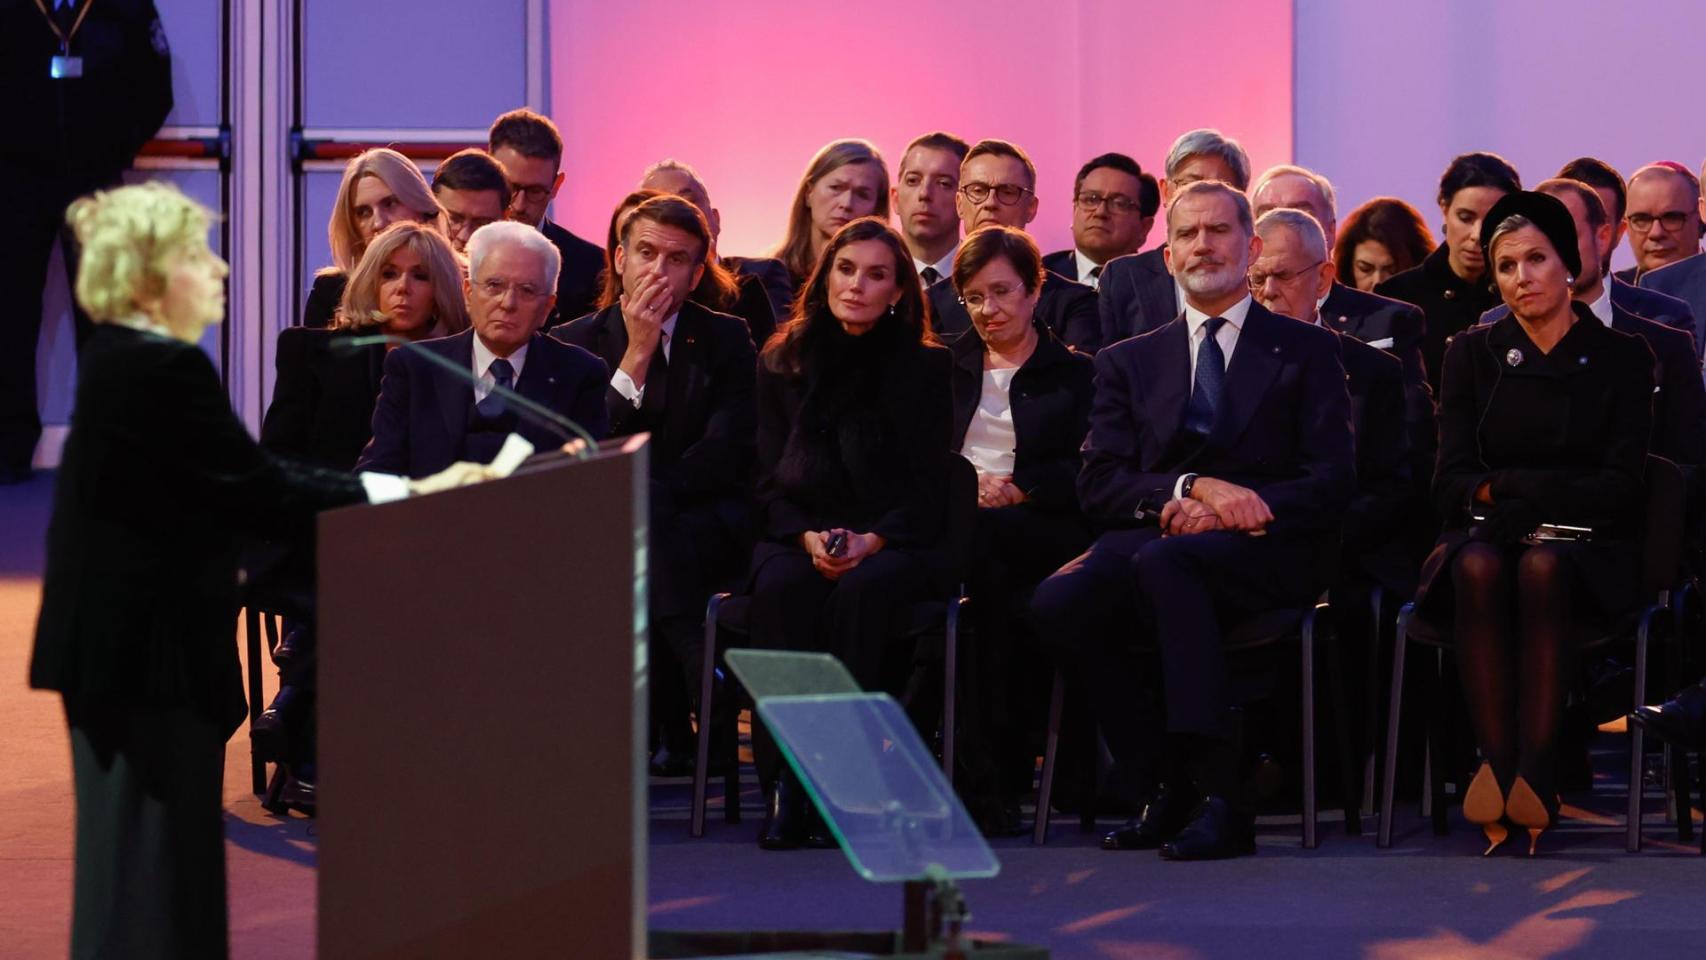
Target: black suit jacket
[(702, 437), (1283, 428), (1062, 262), (1136, 295), (323, 299), (421, 420), (1376, 521), (322, 401), (578, 282), (1050, 401), (1449, 304), (1396, 327), (1066, 309), (1684, 280), (880, 466), (158, 484), (778, 283), (1655, 306), (1629, 275)]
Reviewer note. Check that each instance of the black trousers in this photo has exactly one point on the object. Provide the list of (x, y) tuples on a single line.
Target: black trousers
[(150, 875), (35, 221), (860, 619), (693, 550), (1135, 589), (1007, 674)]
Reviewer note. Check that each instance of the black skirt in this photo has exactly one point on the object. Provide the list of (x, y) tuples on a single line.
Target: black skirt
[(1605, 576)]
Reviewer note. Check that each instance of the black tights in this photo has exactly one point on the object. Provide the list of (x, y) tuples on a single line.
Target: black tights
[(1513, 651)]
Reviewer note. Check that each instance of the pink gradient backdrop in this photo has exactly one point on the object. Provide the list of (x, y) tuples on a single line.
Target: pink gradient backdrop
[(747, 91)]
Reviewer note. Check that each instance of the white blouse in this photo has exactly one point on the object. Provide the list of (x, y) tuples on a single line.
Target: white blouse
[(990, 439)]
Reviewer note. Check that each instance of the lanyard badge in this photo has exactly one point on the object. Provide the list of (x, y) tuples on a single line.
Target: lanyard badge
[(64, 66)]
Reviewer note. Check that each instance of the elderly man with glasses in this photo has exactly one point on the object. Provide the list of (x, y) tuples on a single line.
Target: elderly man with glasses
[(429, 416), (998, 185), (1669, 227)]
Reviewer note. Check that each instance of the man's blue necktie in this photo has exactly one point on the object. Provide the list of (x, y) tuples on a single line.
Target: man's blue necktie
[(1210, 376), (503, 376)]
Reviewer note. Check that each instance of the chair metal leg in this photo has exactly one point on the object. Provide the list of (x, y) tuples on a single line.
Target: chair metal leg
[(1683, 795), (1440, 744), (1349, 782), (702, 753), (257, 766), (1307, 641), (1636, 745), (1389, 776), (950, 684), (1051, 747), (1377, 605)]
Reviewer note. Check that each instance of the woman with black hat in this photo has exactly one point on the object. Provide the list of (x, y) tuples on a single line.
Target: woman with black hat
[(1543, 423)]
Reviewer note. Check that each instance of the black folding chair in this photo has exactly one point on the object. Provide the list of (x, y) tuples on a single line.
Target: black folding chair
[(1257, 633), (727, 613), (1660, 562)]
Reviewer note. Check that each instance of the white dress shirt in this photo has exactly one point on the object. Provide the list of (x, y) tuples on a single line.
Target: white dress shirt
[(625, 385), (991, 441), (1085, 265), (1227, 337), (1602, 307), (944, 267), (483, 358)]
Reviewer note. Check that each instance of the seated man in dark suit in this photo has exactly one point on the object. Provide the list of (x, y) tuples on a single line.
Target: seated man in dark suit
[(1113, 209), (1137, 293), (685, 374), (428, 417), (754, 303), (1220, 485), (1607, 183), (1685, 277), (530, 150), (1663, 216), (1390, 325), (998, 184), (924, 198), (1379, 546)]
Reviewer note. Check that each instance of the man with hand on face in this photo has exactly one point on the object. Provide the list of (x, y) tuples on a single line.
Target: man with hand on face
[(998, 185), (1219, 459), (684, 374), (428, 417), (1683, 274), (1137, 293), (924, 197), (530, 150), (471, 188), (1113, 209)]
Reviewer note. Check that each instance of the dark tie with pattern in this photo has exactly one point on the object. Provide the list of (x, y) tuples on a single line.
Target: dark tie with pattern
[(1210, 376), (503, 375), (1095, 276), (930, 276)]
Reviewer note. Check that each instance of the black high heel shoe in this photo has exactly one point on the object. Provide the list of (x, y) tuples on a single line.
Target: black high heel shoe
[(784, 826)]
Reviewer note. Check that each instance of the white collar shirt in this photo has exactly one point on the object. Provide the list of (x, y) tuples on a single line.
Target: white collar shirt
[(483, 357)]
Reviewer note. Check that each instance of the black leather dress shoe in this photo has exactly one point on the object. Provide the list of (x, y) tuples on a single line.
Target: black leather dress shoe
[(1161, 819), (289, 647), (1679, 721), (270, 732), (784, 826), (1216, 832)]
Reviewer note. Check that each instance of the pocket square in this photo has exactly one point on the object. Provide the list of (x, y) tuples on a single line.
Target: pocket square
[(1384, 343)]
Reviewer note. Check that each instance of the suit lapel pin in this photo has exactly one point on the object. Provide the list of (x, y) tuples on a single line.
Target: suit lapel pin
[(1513, 357)]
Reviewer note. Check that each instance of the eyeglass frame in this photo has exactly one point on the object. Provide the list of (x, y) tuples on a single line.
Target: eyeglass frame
[(1256, 285), (495, 290), (1679, 216), (994, 190), (1091, 201)]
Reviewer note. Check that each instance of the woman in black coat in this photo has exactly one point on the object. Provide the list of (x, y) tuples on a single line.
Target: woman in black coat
[(1452, 285), (853, 439), (1544, 418), (158, 482), (1021, 410)]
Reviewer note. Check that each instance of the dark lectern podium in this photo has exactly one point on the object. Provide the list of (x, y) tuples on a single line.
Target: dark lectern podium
[(482, 718)]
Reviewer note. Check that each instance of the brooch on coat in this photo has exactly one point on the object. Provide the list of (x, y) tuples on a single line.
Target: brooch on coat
[(1513, 357)]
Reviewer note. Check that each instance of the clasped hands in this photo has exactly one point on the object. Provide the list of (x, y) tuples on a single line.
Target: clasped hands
[(1216, 505), (998, 490), (858, 547)]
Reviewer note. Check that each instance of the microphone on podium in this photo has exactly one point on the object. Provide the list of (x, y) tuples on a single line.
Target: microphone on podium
[(533, 412)]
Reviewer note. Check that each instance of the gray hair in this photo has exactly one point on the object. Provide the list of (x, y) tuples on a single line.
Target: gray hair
[(672, 164), (1209, 143), (1220, 189), (1302, 224), (1510, 224), (1293, 170), (493, 235)]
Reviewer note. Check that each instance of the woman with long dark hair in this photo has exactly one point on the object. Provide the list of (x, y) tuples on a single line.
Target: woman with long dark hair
[(854, 417)]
